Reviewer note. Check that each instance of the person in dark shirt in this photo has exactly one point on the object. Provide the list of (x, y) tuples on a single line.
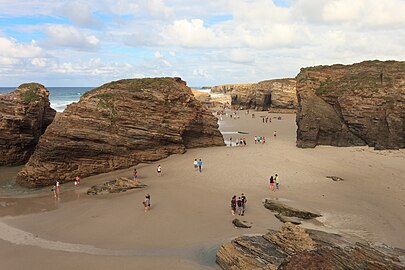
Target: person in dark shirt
[(244, 201)]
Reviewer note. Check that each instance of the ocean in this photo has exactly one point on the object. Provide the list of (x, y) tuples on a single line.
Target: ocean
[(59, 97)]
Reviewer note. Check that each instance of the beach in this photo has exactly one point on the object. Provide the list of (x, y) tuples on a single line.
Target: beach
[(190, 215)]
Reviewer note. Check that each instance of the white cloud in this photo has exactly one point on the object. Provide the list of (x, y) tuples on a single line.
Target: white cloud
[(70, 37), (81, 14)]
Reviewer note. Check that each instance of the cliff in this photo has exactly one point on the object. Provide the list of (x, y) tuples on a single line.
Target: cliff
[(118, 125), (228, 88), (278, 93), (25, 114), (359, 104), (294, 248)]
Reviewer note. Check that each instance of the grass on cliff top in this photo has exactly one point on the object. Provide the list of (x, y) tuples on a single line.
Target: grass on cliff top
[(31, 94), (377, 63), (135, 84)]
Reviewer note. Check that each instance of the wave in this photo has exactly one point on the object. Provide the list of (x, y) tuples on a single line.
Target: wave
[(60, 106)]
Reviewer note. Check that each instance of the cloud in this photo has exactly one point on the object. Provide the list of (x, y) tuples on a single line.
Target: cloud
[(70, 37), (81, 14)]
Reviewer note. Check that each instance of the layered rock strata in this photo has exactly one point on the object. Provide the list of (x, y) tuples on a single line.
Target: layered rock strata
[(25, 114), (118, 125), (354, 105), (294, 248)]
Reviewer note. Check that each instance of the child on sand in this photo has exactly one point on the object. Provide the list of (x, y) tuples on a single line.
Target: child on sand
[(275, 134), (146, 203), (159, 170)]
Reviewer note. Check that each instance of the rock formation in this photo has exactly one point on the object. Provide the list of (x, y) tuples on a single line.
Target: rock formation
[(288, 211), (228, 88), (359, 104), (118, 125), (278, 93), (119, 185), (25, 114), (294, 248)]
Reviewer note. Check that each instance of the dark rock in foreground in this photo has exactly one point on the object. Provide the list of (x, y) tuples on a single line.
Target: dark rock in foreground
[(25, 114), (239, 224), (294, 248), (355, 105), (335, 178), (115, 186), (118, 125), (288, 211)]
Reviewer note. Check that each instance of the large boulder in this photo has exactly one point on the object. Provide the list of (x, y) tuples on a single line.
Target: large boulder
[(118, 125), (294, 248), (354, 105), (278, 93), (25, 114)]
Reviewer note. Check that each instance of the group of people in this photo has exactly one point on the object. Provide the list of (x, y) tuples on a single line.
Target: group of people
[(266, 119), (56, 186), (260, 139), (238, 142), (238, 205), (198, 165)]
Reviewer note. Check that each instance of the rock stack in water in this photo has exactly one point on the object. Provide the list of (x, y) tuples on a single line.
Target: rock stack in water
[(359, 104), (118, 125), (25, 114)]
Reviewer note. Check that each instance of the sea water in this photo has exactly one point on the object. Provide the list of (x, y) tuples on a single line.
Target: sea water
[(59, 97)]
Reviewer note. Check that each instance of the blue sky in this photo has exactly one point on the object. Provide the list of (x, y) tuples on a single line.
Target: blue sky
[(88, 43)]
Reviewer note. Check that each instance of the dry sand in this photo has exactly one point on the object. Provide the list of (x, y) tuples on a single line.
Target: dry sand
[(190, 215)]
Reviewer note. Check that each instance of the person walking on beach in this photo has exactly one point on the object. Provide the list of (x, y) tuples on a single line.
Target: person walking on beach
[(277, 179), (77, 180), (244, 141), (230, 141), (233, 205), (275, 134), (146, 203), (199, 165), (244, 201), (255, 139), (271, 186), (159, 170), (56, 189), (239, 204), (135, 174), (263, 139), (195, 164)]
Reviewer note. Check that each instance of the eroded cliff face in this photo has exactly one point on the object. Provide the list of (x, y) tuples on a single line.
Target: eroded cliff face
[(228, 88), (25, 114), (354, 105), (118, 125), (278, 93), (294, 248)]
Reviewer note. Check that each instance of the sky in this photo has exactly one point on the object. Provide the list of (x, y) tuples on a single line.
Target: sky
[(211, 42)]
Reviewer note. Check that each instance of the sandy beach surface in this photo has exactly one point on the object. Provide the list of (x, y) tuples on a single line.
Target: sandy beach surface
[(190, 215)]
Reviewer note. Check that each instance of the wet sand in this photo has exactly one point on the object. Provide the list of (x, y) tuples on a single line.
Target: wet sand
[(190, 213)]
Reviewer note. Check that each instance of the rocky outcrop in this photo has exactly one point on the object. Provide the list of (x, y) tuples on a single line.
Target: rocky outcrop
[(118, 125), (359, 104), (25, 114), (119, 185), (229, 88), (278, 93), (211, 100), (240, 224), (294, 248), (288, 211)]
